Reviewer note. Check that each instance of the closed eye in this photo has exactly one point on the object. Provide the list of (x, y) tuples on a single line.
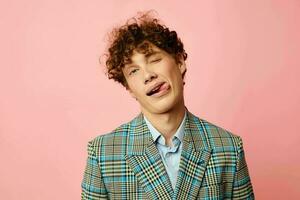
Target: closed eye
[(155, 60)]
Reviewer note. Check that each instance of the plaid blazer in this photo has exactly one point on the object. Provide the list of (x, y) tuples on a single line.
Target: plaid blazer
[(125, 164)]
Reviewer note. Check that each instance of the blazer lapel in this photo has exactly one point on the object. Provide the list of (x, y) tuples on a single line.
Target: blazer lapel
[(194, 158), (145, 161)]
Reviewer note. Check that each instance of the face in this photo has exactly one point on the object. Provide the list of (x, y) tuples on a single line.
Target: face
[(155, 80)]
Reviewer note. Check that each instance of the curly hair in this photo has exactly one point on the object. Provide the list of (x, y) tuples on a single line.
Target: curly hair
[(135, 35)]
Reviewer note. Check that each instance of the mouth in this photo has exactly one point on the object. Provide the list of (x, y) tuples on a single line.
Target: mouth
[(158, 89)]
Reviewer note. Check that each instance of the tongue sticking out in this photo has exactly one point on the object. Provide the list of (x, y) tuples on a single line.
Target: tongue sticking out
[(157, 89)]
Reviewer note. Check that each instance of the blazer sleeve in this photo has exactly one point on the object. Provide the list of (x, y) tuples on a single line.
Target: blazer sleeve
[(242, 187), (92, 186)]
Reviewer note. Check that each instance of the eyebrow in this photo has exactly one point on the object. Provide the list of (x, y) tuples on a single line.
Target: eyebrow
[(147, 55)]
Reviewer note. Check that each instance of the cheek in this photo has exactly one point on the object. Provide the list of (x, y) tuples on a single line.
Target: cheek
[(167, 70), (173, 74), (134, 83), (136, 90)]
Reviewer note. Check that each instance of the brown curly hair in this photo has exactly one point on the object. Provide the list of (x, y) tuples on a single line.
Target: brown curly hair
[(135, 35)]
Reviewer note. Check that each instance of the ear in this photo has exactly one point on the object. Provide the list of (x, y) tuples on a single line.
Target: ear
[(181, 65), (182, 68)]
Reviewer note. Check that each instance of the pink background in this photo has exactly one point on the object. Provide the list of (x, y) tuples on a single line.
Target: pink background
[(243, 72)]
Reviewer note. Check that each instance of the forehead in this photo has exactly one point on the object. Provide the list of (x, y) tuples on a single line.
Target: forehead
[(145, 50)]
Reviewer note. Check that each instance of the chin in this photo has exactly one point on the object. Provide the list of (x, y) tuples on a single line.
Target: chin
[(163, 107)]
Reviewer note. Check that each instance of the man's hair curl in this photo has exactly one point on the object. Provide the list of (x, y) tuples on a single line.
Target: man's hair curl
[(135, 35)]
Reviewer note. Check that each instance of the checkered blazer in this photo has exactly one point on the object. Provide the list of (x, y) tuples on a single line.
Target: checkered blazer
[(126, 164)]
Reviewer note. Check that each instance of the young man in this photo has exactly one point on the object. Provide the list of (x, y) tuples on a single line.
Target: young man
[(165, 152)]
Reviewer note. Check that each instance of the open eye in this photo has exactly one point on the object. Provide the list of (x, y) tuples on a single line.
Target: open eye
[(133, 71)]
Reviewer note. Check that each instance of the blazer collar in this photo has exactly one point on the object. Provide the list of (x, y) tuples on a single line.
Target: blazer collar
[(141, 138), (144, 159)]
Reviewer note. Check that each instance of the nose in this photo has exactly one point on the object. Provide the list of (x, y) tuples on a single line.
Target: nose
[(149, 76)]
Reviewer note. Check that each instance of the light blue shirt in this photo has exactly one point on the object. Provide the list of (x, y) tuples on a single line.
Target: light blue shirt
[(170, 155)]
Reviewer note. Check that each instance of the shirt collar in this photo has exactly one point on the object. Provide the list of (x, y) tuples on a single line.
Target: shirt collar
[(155, 133)]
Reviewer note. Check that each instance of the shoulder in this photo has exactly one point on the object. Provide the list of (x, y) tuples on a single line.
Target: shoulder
[(114, 140), (217, 137)]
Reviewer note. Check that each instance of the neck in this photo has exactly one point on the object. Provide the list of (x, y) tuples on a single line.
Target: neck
[(167, 123)]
